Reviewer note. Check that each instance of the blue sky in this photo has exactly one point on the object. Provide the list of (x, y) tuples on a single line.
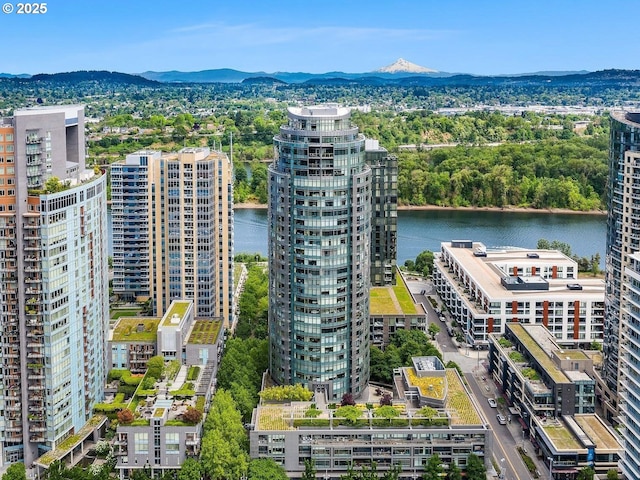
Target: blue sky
[(471, 36)]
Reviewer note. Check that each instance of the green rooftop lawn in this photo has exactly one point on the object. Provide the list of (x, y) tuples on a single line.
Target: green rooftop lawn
[(124, 313), (404, 297), (178, 308), (127, 329), (382, 301), (597, 431), (573, 354), (204, 332), (561, 437), (538, 353)]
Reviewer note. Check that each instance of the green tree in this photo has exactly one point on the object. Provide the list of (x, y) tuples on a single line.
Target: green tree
[(309, 470), (612, 474), (433, 330), (586, 473), (433, 470), (15, 471), (190, 470), (155, 366), (454, 472), (475, 468), (266, 469), (424, 262)]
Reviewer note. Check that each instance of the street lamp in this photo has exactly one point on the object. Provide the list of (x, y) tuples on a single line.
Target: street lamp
[(550, 467)]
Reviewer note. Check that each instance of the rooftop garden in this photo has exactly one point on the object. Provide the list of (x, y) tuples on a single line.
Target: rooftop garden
[(530, 373), (69, 443), (572, 354), (204, 332), (405, 299), (178, 308), (132, 329), (458, 403), (597, 431), (391, 301), (538, 353), (429, 386), (517, 357), (561, 437), (117, 313)]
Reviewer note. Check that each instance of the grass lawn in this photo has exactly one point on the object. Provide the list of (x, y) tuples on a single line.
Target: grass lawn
[(127, 330), (178, 308), (124, 313), (404, 298)]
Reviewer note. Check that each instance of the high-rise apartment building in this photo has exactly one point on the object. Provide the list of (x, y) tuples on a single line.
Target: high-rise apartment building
[(384, 213), (319, 253), (130, 214), (629, 373), (173, 230), (53, 281), (623, 239)]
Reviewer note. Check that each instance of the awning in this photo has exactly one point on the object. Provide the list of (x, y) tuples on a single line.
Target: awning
[(524, 425), (514, 411)]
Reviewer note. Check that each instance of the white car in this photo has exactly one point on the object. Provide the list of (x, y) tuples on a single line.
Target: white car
[(492, 402), (502, 420)]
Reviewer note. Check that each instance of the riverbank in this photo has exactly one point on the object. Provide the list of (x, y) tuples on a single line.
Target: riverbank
[(565, 211)]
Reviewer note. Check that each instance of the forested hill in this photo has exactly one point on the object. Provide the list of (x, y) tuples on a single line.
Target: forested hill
[(91, 76)]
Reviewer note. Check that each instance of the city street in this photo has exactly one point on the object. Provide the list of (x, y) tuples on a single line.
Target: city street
[(473, 364)]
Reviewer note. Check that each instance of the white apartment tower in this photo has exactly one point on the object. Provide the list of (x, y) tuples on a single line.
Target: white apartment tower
[(53, 281)]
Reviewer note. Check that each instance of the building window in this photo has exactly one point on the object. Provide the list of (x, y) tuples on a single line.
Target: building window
[(141, 444), (172, 441)]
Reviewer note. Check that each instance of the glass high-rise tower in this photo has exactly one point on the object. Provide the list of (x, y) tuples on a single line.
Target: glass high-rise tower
[(319, 253), (623, 239)]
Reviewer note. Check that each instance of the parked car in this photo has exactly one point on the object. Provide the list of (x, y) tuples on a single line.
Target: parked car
[(502, 420), (492, 402)]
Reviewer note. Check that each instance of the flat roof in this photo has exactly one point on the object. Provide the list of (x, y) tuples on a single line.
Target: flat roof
[(177, 307), (572, 355), (204, 332), (486, 273), (537, 351), (394, 300), (136, 329), (598, 432), (561, 437)]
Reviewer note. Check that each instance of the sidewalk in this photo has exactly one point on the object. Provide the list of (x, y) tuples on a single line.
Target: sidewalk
[(490, 390)]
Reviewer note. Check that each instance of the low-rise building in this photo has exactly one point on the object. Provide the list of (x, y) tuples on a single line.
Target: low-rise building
[(391, 309), (551, 391), (433, 413), (485, 289), (571, 443), (161, 437)]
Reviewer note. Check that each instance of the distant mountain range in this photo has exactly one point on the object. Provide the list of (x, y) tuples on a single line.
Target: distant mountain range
[(400, 73)]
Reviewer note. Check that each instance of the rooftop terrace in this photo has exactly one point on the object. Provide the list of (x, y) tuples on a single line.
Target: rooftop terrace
[(204, 332), (537, 352), (136, 329), (394, 300), (178, 308)]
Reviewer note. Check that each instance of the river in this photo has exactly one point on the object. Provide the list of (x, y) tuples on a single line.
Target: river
[(420, 230)]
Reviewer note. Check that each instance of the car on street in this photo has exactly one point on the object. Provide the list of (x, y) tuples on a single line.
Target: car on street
[(492, 402), (502, 420)]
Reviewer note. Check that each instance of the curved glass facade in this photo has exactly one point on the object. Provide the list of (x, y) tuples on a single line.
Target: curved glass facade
[(623, 230), (319, 248)]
